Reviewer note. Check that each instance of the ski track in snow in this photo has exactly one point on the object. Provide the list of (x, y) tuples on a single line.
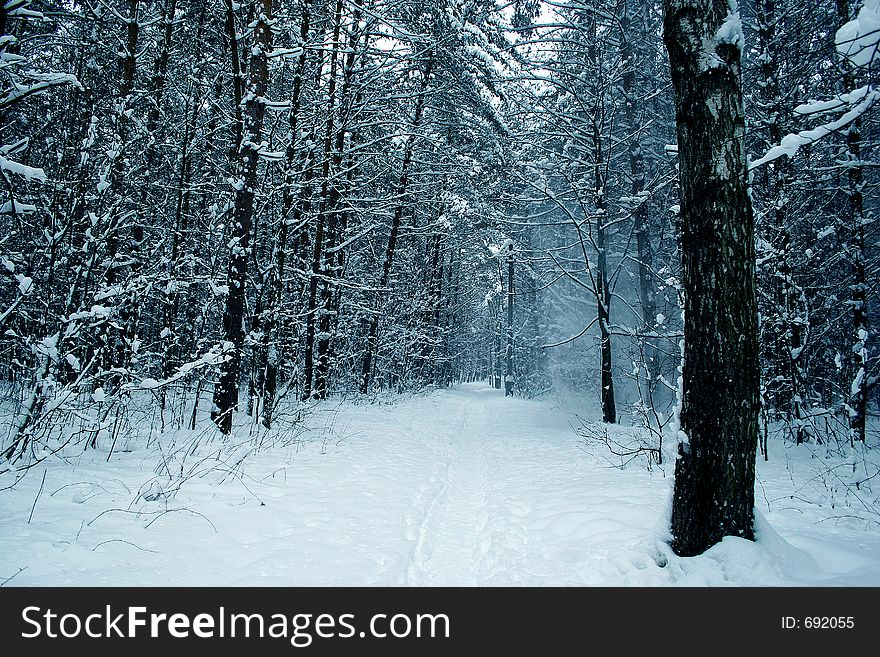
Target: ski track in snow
[(459, 487), (457, 509)]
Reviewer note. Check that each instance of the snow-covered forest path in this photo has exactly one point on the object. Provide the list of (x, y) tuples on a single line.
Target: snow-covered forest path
[(486, 515), (454, 487)]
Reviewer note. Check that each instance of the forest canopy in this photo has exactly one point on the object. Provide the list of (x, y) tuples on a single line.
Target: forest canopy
[(218, 207)]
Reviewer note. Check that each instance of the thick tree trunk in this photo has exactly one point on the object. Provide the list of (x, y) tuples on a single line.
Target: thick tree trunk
[(226, 392), (715, 472)]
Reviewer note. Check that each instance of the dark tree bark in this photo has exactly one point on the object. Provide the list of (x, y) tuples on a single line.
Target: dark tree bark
[(373, 332), (311, 385), (337, 219), (226, 392), (160, 77), (859, 389), (508, 356), (602, 288), (270, 356), (858, 401), (715, 472), (497, 357), (426, 362), (116, 338), (603, 294)]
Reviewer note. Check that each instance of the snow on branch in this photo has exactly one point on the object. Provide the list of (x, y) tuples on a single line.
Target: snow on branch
[(790, 144), (214, 356), (284, 53), (837, 103), (31, 173), (262, 150), (859, 39), (40, 82), (20, 8), (14, 207)]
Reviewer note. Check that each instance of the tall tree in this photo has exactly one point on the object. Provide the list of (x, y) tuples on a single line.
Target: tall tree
[(855, 214), (715, 472), (388, 261), (313, 384), (249, 148), (631, 84)]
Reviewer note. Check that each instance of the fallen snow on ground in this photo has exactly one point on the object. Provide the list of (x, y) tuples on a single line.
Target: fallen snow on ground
[(456, 487)]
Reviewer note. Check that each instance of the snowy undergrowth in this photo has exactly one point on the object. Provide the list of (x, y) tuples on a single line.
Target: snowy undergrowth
[(452, 487)]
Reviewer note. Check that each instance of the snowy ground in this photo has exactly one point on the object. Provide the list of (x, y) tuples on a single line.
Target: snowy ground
[(456, 487)]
